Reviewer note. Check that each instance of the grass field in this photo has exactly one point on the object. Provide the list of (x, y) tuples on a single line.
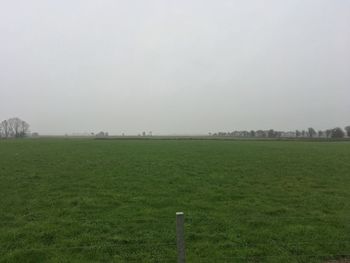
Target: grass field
[(84, 200)]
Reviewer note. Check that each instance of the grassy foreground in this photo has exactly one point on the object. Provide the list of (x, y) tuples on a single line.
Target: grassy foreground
[(65, 200)]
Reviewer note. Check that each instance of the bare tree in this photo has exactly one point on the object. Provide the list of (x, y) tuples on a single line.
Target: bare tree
[(24, 129), (15, 124), (14, 127), (11, 128), (252, 133), (312, 132), (271, 133), (337, 133), (347, 128), (5, 128)]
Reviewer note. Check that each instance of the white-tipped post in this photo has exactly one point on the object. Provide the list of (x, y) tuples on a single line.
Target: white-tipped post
[(180, 237)]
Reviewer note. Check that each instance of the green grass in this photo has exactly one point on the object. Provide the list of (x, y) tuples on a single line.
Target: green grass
[(65, 200)]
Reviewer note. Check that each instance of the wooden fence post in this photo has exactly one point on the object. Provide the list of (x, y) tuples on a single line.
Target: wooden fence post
[(180, 237)]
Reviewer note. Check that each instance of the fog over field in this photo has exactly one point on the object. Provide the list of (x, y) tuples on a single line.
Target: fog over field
[(185, 67)]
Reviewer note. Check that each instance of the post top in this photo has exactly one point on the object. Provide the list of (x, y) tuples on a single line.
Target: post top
[(179, 213)]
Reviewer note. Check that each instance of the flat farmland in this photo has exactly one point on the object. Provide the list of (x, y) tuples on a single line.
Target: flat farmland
[(86, 200)]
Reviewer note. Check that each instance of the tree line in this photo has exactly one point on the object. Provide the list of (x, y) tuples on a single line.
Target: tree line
[(309, 133), (14, 128)]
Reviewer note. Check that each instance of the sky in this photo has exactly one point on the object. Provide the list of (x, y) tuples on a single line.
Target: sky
[(175, 67)]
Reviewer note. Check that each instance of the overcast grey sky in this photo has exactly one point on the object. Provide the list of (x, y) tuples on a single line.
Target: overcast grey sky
[(184, 66)]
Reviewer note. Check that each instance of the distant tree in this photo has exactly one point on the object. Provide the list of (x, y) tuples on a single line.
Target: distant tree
[(18, 127), (320, 133), (271, 133), (297, 133), (12, 123), (337, 133), (245, 133), (278, 134), (312, 133), (5, 128), (347, 128), (252, 133), (328, 133), (101, 134), (24, 129), (14, 127), (260, 133), (303, 133)]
